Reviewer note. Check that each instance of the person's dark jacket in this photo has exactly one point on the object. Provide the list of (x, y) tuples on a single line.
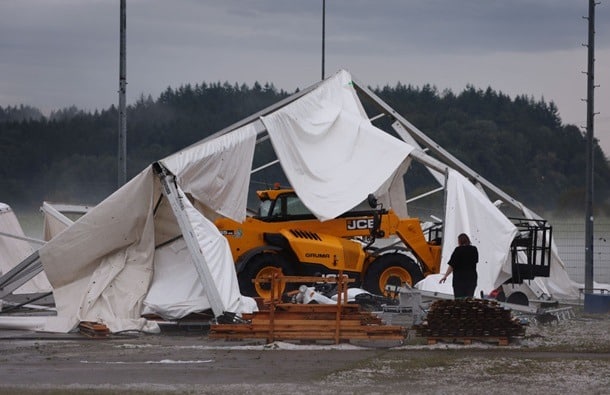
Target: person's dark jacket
[(464, 261)]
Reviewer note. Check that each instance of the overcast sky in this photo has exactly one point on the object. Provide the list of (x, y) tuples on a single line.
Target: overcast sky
[(57, 53)]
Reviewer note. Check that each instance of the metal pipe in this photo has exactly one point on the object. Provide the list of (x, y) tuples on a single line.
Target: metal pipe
[(29, 239)]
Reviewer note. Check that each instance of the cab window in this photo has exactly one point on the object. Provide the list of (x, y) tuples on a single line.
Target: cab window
[(264, 208), (295, 207), (285, 207)]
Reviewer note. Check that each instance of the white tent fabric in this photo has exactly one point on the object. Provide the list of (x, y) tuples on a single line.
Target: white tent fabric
[(54, 221), (101, 266), (221, 181), (396, 196), (184, 293), (469, 211), (176, 288), (215, 249), (472, 213), (331, 153), (13, 251), (52, 226), (432, 283), (558, 284)]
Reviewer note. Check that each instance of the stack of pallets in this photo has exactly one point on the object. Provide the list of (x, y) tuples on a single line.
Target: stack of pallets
[(277, 320), (291, 321), (469, 319)]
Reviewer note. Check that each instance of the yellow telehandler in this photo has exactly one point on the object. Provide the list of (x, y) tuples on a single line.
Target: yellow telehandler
[(285, 234)]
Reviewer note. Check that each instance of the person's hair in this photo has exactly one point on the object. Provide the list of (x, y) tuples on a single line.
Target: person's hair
[(463, 239)]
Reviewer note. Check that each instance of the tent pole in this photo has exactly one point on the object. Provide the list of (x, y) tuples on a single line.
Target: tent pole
[(436, 168), (20, 274), (427, 142), (170, 191), (29, 239)]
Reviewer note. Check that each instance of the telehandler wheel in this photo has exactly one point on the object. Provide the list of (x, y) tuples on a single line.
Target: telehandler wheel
[(518, 298), (259, 266), (391, 269)]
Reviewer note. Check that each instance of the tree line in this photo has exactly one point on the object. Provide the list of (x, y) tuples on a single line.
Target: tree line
[(520, 144)]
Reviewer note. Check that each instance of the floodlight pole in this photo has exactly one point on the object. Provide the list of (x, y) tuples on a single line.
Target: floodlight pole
[(323, 33), (122, 151), (590, 169)]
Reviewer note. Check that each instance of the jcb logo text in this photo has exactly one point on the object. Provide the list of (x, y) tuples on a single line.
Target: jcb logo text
[(355, 224)]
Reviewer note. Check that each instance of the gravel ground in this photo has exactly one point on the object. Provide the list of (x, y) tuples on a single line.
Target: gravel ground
[(565, 356)]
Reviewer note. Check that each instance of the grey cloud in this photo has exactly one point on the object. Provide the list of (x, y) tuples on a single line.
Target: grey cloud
[(466, 25), (75, 42)]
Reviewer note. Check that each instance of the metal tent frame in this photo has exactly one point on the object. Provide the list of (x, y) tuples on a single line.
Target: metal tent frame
[(429, 153)]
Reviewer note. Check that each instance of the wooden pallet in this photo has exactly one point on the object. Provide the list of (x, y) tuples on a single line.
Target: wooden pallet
[(500, 341), (309, 322), (339, 322), (93, 330)]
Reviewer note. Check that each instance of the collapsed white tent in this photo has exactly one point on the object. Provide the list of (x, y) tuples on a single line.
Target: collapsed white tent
[(115, 262), (102, 266)]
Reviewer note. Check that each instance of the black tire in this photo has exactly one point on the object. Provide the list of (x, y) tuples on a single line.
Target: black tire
[(258, 265), (391, 269), (518, 298)]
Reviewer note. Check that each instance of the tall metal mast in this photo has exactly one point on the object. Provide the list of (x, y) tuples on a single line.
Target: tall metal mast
[(589, 177), (122, 151), (323, 32)]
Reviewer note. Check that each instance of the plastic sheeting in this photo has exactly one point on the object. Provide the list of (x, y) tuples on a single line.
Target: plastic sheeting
[(331, 153)]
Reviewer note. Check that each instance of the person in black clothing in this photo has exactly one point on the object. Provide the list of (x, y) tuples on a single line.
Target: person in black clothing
[(463, 265)]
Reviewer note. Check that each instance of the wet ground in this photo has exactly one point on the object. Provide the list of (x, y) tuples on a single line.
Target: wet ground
[(562, 356)]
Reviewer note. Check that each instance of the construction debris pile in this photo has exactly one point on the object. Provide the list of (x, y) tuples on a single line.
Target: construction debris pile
[(469, 318)]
